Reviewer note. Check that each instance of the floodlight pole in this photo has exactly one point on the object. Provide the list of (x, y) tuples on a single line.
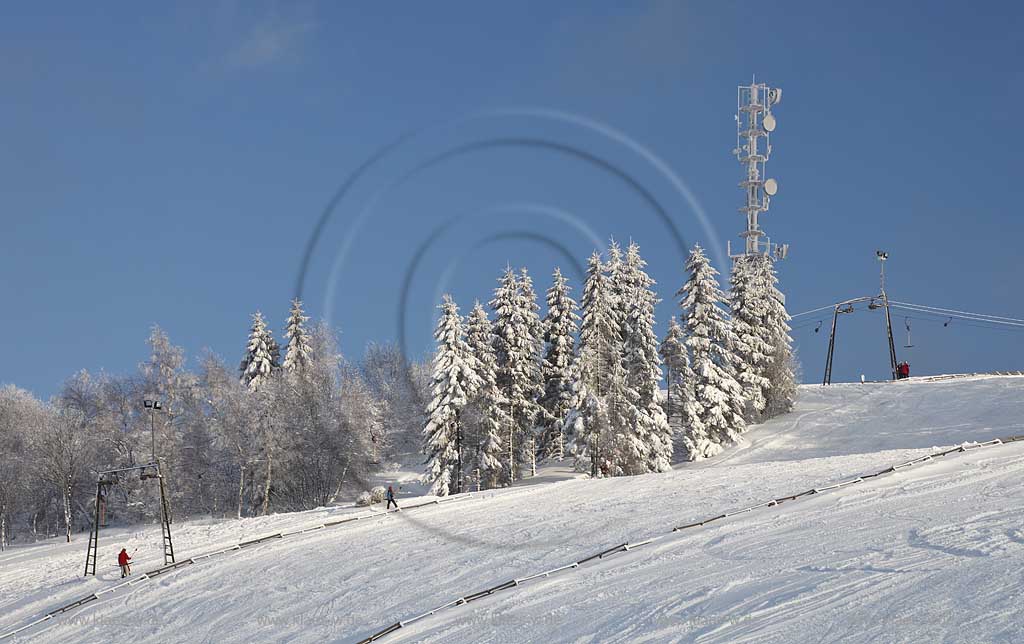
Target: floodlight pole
[(152, 436), (882, 256), (153, 406)]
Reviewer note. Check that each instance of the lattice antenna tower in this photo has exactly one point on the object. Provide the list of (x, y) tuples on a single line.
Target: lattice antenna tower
[(754, 123)]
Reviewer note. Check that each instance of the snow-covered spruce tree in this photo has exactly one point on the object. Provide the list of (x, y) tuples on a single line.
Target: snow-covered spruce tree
[(259, 361), (781, 370), (643, 364), (515, 349), (748, 303), (275, 352), (488, 410), (574, 435), (559, 366), (618, 286), (629, 449), (455, 380), (297, 356), (600, 371), (531, 313), (679, 379), (715, 414)]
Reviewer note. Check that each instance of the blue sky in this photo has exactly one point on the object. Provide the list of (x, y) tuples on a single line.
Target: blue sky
[(168, 164)]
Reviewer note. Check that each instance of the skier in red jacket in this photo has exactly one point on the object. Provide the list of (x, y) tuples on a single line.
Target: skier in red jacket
[(122, 560), (904, 370)]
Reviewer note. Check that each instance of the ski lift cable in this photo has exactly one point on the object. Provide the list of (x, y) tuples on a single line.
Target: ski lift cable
[(974, 317), (952, 316), (962, 317), (807, 324), (820, 308), (949, 311), (923, 308), (976, 326), (979, 326), (848, 308), (944, 322), (802, 324), (812, 327)]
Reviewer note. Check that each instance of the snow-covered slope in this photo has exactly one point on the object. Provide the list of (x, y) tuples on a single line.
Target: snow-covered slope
[(932, 553)]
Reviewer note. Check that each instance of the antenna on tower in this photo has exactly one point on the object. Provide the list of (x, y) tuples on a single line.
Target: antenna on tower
[(755, 121)]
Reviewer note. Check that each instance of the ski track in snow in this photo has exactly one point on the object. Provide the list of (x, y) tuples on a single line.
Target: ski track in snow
[(934, 553)]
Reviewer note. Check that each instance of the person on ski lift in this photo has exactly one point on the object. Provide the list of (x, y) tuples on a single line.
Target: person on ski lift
[(390, 496), (122, 560)]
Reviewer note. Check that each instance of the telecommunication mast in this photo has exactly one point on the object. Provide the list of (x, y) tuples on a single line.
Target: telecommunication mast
[(754, 123)]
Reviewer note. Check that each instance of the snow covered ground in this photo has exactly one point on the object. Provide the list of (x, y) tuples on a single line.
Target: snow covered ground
[(932, 553)]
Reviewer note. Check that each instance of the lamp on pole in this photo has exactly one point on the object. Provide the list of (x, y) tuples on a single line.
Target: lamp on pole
[(882, 256), (153, 406)]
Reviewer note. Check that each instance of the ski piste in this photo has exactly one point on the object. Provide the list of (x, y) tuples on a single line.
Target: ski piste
[(831, 438)]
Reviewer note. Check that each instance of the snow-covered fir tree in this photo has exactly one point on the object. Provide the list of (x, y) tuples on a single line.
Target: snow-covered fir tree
[(260, 360), (781, 370), (488, 408), (275, 351), (629, 448), (297, 355), (716, 412), (618, 284), (600, 366), (643, 364), (515, 349), (531, 313), (679, 389), (559, 366), (749, 306), (455, 381), (531, 310)]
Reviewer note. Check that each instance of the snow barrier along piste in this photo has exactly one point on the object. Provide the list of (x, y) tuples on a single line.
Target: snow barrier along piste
[(942, 377), (956, 376), (233, 548), (625, 547)]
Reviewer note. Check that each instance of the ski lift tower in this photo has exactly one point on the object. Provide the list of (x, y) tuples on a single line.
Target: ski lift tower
[(754, 122), (107, 480), (880, 301)]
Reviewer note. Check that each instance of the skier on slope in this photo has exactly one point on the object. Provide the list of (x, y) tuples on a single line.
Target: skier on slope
[(122, 560), (390, 496), (905, 370)]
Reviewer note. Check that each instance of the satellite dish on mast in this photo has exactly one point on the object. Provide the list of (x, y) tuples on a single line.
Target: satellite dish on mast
[(768, 123), (771, 186), (774, 95)]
